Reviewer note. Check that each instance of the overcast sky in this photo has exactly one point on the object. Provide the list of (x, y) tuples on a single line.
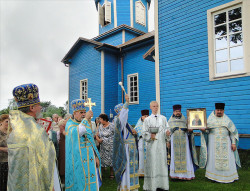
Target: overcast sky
[(35, 36)]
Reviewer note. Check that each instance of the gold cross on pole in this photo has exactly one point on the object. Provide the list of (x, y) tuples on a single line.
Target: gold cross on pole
[(89, 104)]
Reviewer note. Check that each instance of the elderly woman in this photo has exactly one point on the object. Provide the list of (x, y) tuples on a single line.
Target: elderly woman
[(4, 121), (105, 137)]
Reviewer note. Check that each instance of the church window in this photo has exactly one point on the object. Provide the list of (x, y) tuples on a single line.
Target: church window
[(84, 89), (105, 13), (226, 42), (133, 88), (140, 13)]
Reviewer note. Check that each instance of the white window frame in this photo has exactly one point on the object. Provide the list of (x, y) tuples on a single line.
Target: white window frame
[(245, 8), (128, 85), (81, 89), (137, 18)]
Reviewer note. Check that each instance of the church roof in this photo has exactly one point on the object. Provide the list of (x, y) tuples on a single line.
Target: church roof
[(150, 54), (117, 29), (97, 1), (137, 39), (101, 46), (76, 46)]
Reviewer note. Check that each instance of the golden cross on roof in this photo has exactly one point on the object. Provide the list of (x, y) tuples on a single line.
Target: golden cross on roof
[(89, 104)]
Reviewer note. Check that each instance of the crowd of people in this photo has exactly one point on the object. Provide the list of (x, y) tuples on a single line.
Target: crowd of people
[(77, 150)]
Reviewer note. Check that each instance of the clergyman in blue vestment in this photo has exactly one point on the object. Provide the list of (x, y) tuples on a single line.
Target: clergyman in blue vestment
[(82, 170), (125, 153)]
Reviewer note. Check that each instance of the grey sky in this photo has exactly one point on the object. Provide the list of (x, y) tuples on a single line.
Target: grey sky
[(35, 36)]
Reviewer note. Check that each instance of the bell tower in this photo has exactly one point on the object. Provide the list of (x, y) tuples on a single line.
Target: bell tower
[(113, 13)]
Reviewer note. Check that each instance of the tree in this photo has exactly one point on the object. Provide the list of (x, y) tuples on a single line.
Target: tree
[(47, 108), (51, 109), (45, 105), (12, 106)]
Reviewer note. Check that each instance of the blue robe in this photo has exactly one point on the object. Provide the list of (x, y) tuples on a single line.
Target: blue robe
[(125, 154), (81, 172)]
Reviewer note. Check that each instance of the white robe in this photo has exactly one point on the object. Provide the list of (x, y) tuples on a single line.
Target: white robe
[(223, 176), (141, 156), (156, 168)]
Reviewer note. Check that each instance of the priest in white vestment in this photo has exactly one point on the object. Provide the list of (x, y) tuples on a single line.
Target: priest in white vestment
[(156, 133), (141, 142), (221, 156)]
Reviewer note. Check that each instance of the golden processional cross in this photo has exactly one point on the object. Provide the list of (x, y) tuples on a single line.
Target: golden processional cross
[(89, 104)]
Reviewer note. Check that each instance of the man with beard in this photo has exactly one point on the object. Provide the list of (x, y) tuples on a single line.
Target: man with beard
[(181, 166), (221, 156), (82, 157), (31, 154)]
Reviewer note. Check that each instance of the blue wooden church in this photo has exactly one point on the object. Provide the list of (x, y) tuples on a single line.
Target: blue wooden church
[(202, 53), (199, 54), (121, 52)]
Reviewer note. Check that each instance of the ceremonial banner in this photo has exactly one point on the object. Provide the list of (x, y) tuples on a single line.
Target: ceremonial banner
[(196, 118), (45, 124)]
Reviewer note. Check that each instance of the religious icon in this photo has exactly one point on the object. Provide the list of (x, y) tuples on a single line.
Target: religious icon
[(196, 118)]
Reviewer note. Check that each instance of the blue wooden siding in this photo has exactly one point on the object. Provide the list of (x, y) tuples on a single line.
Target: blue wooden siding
[(134, 63), (129, 36), (111, 82), (123, 12), (111, 25), (114, 39), (86, 64), (184, 68), (138, 26), (123, 15)]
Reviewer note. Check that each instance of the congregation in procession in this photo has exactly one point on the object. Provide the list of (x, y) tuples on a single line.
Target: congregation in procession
[(72, 152)]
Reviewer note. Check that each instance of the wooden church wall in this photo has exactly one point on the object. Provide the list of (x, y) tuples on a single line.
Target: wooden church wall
[(184, 65), (134, 63), (123, 15), (129, 36), (114, 39), (86, 64), (123, 12), (111, 82)]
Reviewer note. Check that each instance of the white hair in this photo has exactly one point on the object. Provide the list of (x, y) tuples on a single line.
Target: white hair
[(67, 116), (152, 102), (54, 115)]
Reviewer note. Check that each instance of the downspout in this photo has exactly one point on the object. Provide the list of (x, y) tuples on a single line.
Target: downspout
[(122, 79)]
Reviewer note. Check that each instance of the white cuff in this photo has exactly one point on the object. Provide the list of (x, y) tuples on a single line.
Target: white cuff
[(82, 130)]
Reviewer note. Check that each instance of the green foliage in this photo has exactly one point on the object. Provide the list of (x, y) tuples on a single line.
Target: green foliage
[(12, 105), (48, 109), (45, 105), (51, 109), (4, 111)]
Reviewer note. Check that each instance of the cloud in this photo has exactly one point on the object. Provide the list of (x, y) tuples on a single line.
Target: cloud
[(35, 36)]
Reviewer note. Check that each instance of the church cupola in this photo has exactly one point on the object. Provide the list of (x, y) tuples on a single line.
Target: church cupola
[(113, 13)]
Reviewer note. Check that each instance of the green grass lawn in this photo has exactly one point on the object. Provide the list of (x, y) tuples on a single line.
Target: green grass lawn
[(199, 183)]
